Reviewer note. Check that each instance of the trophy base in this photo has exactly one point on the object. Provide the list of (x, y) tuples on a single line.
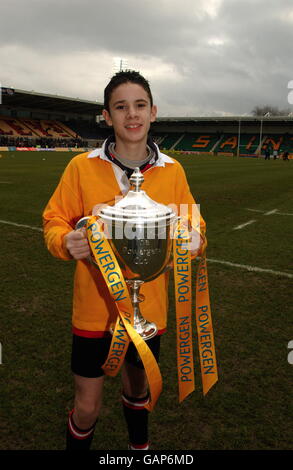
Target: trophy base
[(144, 328)]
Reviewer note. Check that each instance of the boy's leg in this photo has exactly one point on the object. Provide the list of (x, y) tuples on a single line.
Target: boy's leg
[(134, 397), (87, 357), (82, 419)]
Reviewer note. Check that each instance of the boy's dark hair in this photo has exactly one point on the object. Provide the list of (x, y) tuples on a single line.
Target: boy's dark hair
[(125, 76)]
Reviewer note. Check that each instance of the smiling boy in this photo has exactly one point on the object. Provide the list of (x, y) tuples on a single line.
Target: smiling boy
[(91, 179)]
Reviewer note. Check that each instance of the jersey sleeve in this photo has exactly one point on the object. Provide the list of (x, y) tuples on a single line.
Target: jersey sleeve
[(62, 212)]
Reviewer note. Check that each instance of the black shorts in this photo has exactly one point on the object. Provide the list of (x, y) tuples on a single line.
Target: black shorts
[(89, 354)]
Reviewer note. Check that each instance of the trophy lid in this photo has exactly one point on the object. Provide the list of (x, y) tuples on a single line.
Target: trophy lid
[(137, 207)]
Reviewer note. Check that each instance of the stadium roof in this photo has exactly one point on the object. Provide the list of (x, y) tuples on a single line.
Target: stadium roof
[(34, 100), (225, 119), (16, 98)]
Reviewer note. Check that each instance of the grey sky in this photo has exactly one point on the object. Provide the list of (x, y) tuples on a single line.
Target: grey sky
[(202, 57)]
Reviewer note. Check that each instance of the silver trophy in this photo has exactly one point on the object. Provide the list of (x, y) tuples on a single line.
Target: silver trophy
[(139, 231)]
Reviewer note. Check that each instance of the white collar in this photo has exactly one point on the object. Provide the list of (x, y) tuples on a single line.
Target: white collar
[(100, 152)]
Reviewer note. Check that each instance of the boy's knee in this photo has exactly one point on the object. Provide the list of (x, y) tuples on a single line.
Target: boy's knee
[(86, 411)]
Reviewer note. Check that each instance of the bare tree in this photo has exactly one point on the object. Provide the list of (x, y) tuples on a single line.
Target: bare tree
[(269, 110)]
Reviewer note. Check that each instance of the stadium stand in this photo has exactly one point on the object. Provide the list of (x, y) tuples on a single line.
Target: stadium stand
[(225, 143), (22, 132), (250, 144), (88, 130), (35, 120), (35, 128)]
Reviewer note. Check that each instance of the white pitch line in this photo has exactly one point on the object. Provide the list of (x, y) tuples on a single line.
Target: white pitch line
[(271, 212), (21, 225), (255, 210), (210, 260), (251, 268), (283, 213), (274, 211), (239, 227)]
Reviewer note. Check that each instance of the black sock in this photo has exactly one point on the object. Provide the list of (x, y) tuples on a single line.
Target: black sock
[(136, 417), (76, 438)]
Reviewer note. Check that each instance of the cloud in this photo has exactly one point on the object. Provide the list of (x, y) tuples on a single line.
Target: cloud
[(204, 56)]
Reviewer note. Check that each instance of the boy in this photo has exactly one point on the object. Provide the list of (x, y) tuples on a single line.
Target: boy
[(96, 178)]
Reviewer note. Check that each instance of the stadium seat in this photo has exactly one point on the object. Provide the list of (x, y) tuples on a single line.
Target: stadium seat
[(203, 142), (23, 127), (170, 140), (14, 127)]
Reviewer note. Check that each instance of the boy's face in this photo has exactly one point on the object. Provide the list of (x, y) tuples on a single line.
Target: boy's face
[(130, 113)]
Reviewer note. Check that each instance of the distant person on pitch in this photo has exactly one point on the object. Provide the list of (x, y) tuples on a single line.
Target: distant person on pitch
[(267, 154)]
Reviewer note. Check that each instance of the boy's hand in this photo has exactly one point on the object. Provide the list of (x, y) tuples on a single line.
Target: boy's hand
[(77, 244)]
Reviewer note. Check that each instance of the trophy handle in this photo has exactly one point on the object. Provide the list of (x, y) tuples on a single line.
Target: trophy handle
[(81, 223)]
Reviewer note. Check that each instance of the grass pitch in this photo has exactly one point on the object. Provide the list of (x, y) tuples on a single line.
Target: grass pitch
[(251, 405)]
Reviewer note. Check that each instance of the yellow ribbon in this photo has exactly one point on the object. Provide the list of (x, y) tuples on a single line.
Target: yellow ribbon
[(183, 299), (124, 331), (205, 333)]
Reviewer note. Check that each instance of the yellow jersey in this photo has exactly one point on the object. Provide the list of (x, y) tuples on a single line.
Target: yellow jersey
[(91, 179)]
